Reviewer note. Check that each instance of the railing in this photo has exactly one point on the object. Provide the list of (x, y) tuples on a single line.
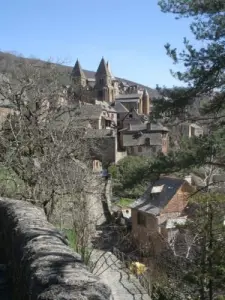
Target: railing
[(126, 262)]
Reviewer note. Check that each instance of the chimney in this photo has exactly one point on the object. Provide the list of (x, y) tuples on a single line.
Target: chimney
[(148, 126)]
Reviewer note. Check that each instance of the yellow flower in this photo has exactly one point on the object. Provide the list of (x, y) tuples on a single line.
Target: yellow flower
[(137, 268)]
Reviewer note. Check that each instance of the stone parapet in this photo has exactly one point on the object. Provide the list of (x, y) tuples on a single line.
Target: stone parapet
[(42, 265)]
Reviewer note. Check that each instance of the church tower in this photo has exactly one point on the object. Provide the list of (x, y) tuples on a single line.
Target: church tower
[(103, 82), (145, 103), (78, 77)]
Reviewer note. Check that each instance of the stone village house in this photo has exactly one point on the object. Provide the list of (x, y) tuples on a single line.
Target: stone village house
[(140, 137), (154, 215)]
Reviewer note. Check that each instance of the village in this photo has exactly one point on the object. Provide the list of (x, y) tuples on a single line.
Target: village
[(112, 165)]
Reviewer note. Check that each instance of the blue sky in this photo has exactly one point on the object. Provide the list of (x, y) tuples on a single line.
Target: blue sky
[(130, 34)]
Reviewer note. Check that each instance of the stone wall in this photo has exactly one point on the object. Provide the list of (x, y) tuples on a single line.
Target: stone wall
[(65, 210), (42, 265)]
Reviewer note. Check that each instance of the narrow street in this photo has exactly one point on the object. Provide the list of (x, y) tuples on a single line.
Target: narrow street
[(124, 286)]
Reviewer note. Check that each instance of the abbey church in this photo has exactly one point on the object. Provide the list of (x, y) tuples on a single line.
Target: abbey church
[(119, 110), (107, 88)]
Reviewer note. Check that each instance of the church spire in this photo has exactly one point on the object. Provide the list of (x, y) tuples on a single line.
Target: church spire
[(77, 71), (109, 69), (103, 69)]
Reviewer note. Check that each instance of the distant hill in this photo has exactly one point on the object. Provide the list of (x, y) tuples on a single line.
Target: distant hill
[(8, 60)]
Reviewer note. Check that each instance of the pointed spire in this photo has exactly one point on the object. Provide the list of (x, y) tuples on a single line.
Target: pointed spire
[(102, 68), (109, 69), (77, 70)]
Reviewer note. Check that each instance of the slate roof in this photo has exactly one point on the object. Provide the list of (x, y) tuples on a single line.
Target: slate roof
[(102, 69), (120, 108), (106, 106), (77, 70), (90, 112), (154, 203)]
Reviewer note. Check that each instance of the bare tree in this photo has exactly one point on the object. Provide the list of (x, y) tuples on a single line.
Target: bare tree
[(42, 140)]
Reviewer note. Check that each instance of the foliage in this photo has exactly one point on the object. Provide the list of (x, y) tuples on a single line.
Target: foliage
[(204, 90), (127, 176), (204, 83), (10, 184), (84, 251), (71, 237), (196, 270), (206, 271), (125, 201), (41, 141)]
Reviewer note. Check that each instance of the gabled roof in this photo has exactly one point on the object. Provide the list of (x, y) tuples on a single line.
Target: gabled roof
[(77, 70), (90, 111), (102, 69), (153, 203), (120, 108)]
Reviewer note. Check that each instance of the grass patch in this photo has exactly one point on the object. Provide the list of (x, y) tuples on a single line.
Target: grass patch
[(85, 252), (125, 202), (71, 237)]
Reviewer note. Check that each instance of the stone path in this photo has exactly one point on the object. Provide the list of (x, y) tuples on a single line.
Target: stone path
[(124, 286), (4, 284)]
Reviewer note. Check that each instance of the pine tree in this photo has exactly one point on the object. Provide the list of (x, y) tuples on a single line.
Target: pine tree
[(204, 83), (204, 89)]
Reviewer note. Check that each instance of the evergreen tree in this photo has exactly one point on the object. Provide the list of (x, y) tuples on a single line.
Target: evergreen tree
[(204, 89), (204, 81)]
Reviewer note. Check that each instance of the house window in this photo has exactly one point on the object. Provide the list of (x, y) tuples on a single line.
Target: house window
[(139, 149), (147, 141), (130, 116), (141, 220)]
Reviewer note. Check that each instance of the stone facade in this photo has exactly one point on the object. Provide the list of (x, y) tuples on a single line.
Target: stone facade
[(152, 212), (140, 137)]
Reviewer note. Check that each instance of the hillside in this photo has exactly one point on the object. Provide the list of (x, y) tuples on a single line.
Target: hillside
[(8, 60)]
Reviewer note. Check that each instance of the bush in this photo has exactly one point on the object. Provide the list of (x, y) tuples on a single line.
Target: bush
[(127, 173)]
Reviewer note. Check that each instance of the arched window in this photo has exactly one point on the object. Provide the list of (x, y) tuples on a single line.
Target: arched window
[(139, 149)]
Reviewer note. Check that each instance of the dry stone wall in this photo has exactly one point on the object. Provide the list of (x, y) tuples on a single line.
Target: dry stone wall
[(42, 265)]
